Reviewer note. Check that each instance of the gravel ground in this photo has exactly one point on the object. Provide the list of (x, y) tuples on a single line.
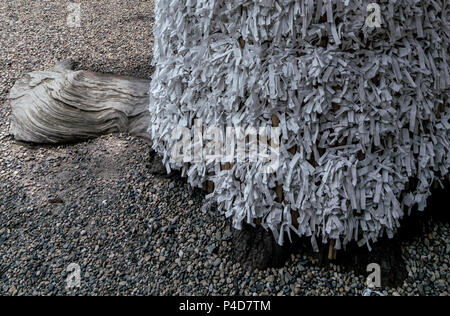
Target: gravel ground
[(96, 204)]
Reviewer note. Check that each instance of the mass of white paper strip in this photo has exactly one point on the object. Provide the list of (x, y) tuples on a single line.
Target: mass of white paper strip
[(366, 108)]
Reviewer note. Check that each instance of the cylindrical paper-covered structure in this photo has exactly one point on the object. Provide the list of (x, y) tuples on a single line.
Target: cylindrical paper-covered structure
[(359, 93)]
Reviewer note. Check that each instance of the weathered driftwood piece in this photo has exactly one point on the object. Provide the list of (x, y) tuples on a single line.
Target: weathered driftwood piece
[(63, 105)]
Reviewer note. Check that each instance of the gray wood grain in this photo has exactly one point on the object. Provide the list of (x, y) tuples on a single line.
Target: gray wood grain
[(62, 105)]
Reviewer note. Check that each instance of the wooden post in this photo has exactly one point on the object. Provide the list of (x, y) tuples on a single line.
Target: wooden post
[(332, 250)]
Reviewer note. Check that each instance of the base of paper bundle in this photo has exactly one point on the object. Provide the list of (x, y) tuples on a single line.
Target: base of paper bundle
[(254, 247), (155, 165), (386, 253), (62, 105)]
